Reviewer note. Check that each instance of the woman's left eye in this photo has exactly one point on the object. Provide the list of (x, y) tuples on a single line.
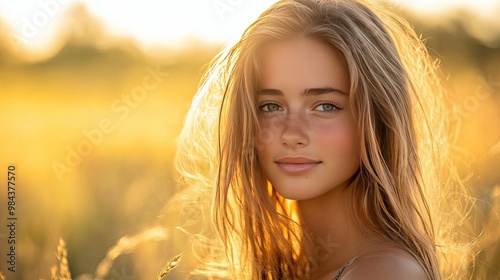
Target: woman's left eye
[(327, 108)]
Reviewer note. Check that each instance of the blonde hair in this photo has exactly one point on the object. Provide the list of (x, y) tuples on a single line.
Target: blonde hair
[(399, 190)]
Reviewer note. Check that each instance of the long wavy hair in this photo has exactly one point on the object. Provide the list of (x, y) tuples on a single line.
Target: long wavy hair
[(405, 174)]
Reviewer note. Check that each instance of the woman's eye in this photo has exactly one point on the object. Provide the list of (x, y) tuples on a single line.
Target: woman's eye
[(271, 107), (326, 107)]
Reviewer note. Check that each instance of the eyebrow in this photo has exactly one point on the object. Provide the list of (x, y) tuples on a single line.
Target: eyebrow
[(307, 92)]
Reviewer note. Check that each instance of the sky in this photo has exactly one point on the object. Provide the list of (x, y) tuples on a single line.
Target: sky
[(34, 24), (485, 7)]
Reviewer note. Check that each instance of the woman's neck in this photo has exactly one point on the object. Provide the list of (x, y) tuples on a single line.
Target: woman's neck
[(334, 238)]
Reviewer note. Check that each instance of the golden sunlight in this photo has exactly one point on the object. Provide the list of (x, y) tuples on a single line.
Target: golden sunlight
[(94, 94)]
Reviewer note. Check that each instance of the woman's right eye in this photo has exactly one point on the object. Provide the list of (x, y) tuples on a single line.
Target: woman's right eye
[(270, 107)]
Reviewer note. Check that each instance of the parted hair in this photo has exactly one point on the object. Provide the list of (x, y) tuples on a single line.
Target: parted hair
[(405, 174)]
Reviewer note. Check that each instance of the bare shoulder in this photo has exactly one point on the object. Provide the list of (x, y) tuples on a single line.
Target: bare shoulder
[(387, 265)]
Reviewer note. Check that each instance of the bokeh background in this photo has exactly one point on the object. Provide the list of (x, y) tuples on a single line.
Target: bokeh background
[(93, 95)]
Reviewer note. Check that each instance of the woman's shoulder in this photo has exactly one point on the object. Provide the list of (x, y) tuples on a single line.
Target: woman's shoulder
[(386, 264)]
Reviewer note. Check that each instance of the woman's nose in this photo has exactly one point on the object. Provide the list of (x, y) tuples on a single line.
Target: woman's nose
[(294, 131)]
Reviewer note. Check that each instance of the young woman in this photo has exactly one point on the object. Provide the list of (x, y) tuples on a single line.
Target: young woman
[(317, 143)]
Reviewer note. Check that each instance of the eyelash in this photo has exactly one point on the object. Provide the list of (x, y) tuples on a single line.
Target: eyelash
[(261, 107), (335, 107)]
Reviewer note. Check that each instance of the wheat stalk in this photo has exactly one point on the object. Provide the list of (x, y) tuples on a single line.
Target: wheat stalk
[(53, 273), (62, 256), (173, 263), (126, 244)]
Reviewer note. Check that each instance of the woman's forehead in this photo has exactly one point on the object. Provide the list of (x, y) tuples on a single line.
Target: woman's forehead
[(301, 62)]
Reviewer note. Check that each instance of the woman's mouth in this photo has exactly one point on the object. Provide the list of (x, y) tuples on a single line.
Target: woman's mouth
[(296, 165)]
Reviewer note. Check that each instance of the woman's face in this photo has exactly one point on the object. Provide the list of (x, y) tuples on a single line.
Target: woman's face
[(308, 143)]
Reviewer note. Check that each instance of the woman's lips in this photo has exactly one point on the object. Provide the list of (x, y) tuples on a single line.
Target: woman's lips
[(296, 165)]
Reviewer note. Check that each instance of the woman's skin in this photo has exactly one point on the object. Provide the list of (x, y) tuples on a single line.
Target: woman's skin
[(309, 151)]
